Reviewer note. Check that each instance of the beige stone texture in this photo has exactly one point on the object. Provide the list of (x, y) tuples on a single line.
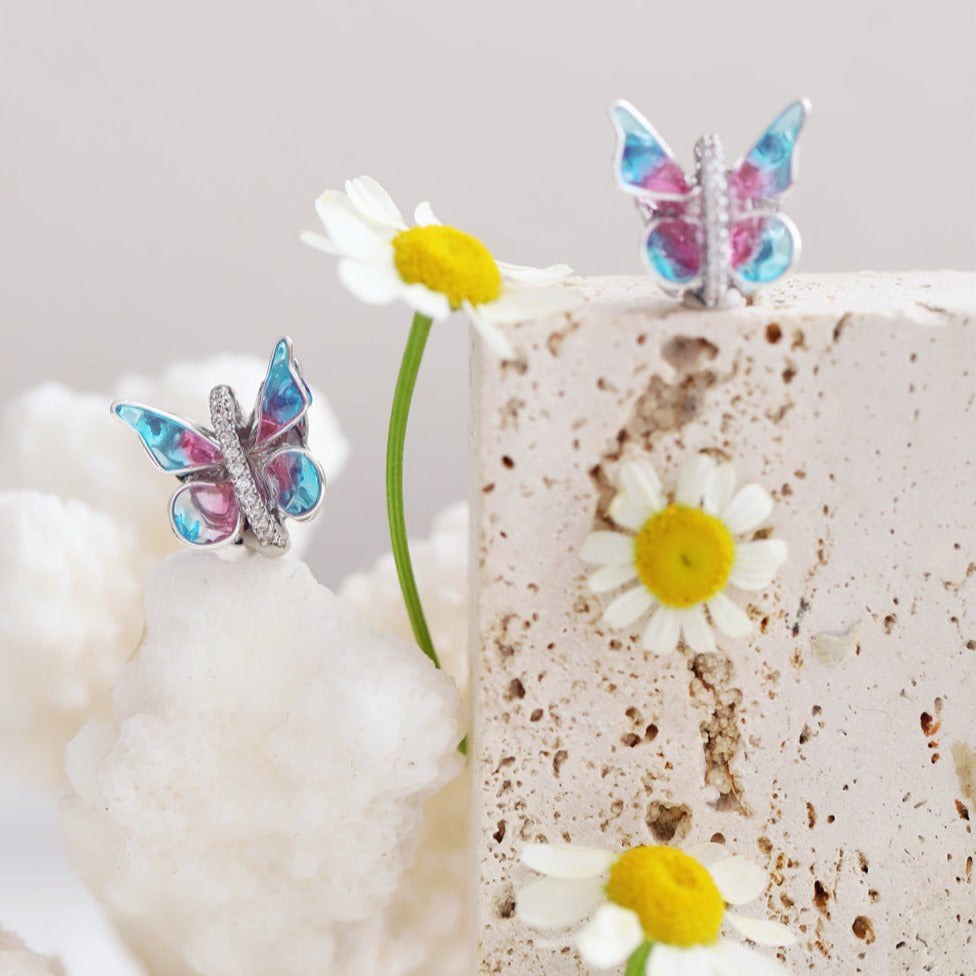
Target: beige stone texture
[(835, 744)]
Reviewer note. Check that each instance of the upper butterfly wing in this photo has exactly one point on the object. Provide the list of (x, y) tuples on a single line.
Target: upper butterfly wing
[(764, 247), (644, 164), (284, 397), (769, 168), (206, 514), (296, 482), (176, 446)]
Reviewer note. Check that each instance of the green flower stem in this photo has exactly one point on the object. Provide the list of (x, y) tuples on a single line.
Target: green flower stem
[(402, 396), (637, 963)]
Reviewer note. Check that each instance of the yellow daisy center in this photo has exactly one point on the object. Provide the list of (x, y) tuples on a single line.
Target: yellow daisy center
[(683, 555), (448, 261), (670, 892)]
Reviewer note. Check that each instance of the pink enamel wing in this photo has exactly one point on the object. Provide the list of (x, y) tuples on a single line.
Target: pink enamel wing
[(719, 229), (244, 477)]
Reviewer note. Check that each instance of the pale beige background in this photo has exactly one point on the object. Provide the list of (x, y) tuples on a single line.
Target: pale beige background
[(158, 160)]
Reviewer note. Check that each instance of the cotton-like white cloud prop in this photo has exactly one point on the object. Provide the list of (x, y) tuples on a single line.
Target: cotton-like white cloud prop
[(70, 616), (76, 564), (17, 960), (257, 795), (428, 925)]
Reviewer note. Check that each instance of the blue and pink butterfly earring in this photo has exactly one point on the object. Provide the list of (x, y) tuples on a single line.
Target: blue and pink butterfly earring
[(720, 230), (244, 477)]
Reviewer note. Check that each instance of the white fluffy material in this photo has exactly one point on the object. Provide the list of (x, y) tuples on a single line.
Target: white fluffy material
[(17, 960), (257, 795), (71, 601), (58, 654), (428, 926)]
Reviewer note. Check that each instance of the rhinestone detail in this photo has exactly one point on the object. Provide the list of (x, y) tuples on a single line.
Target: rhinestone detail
[(713, 177), (225, 415)]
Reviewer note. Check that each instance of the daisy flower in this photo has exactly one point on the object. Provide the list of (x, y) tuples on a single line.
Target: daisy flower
[(435, 269), (658, 908), (682, 555)]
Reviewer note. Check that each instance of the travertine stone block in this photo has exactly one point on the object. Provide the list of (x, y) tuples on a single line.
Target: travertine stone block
[(837, 743)]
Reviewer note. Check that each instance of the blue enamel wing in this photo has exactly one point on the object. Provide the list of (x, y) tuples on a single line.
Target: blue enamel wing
[(241, 479), (718, 229)]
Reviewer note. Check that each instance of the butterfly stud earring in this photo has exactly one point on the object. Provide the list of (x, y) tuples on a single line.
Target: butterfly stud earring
[(243, 478), (720, 230)]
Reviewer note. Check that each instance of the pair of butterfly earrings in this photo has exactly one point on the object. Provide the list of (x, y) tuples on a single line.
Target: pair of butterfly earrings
[(708, 236)]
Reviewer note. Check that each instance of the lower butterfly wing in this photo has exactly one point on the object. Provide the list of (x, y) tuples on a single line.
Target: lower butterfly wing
[(769, 168), (206, 514), (644, 165), (764, 247), (175, 446), (673, 249), (284, 397), (296, 482)]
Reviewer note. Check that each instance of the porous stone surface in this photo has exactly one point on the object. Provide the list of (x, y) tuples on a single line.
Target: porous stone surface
[(836, 743)]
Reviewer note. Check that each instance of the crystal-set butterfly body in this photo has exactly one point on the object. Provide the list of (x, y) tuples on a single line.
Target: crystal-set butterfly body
[(242, 478), (720, 229)]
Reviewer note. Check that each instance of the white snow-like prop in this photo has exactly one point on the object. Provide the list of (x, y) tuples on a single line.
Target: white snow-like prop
[(428, 925), (254, 801)]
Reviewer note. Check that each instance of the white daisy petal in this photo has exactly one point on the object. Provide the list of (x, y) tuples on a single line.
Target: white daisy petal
[(748, 510), (520, 302), (667, 960), (739, 879), (628, 607), (735, 959), (552, 903), (347, 230), (640, 481), (762, 931), (374, 203), (729, 617), (522, 272), (627, 512), (433, 304), (720, 488), (610, 937), (320, 242), (375, 284), (491, 334), (708, 853), (608, 548), (662, 631), (424, 216), (695, 630), (694, 479), (610, 577), (567, 860), (756, 563)]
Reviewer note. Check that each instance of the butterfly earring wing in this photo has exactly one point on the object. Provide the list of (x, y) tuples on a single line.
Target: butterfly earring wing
[(202, 513), (644, 165), (765, 246), (206, 514), (174, 445), (769, 168), (765, 243), (296, 482), (284, 397)]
